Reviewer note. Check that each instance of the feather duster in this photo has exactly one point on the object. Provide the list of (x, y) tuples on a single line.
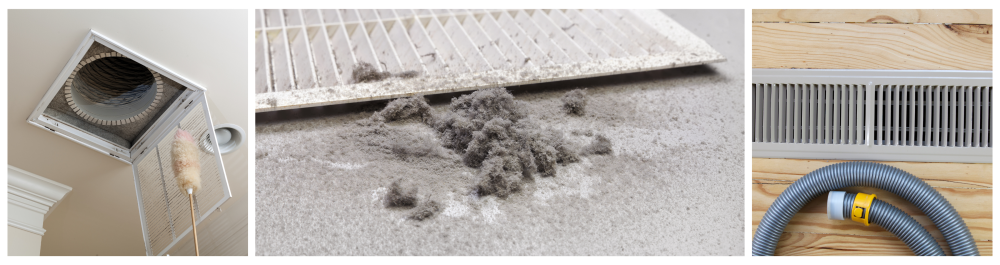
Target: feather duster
[(186, 165)]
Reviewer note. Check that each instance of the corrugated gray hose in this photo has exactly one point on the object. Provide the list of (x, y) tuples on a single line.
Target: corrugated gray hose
[(866, 174), (894, 220)]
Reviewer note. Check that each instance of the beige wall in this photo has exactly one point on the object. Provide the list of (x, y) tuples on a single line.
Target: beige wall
[(101, 216), (22, 243)]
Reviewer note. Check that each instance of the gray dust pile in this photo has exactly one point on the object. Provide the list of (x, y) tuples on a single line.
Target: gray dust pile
[(575, 101), (490, 131), (365, 72)]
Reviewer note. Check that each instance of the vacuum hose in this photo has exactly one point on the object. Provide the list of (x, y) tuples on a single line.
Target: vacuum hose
[(865, 209), (866, 174)]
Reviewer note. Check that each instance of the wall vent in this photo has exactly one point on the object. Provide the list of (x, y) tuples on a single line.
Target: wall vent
[(306, 58), (892, 115), (121, 104)]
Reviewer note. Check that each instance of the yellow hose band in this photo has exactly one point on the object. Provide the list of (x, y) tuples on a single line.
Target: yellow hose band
[(861, 210)]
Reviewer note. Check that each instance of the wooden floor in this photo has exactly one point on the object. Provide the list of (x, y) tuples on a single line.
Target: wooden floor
[(872, 39)]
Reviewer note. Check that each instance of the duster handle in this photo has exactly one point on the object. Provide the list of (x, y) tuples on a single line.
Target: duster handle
[(194, 228)]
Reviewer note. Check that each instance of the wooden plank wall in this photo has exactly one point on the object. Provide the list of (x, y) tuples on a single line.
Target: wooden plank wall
[(845, 39), (872, 39)]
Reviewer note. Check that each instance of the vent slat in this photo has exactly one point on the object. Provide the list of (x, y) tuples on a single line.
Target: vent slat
[(768, 133), (879, 113), (811, 97), (960, 93), (781, 113), (976, 117), (787, 113), (897, 116), (756, 114), (912, 115), (797, 109), (859, 114)]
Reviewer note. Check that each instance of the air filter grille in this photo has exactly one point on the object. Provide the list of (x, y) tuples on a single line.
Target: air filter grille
[(308, 57), (166, 217), (872, 115)]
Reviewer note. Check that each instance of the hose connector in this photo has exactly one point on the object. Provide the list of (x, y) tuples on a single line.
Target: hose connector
[(859, 206)]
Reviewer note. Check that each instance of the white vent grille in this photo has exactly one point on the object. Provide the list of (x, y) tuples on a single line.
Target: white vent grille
[(809, 113), (306, 57), (950, 116), (942, 116), (166, 218)]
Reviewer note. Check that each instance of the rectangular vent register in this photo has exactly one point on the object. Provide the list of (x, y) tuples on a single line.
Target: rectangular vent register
[(894, 115), (308, 57), (122, 105)]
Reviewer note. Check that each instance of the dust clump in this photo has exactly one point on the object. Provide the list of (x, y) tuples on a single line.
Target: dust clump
[(425, 211), (365, 72), (600, 146), (399, 196), (575, 101), (407, 74), (404, 108), (409, 147), (492, 131), (489, 130)]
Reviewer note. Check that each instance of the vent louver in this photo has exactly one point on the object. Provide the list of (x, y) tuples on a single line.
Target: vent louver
[(306, 58), (933, 116)]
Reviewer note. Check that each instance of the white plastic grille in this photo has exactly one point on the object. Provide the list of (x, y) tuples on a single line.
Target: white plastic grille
[(947, 116), (809, 113), (166, 216), (904, 115), (307, 57), (888, 115)]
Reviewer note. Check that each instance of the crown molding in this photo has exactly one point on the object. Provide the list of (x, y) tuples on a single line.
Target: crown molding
[(30, 198)]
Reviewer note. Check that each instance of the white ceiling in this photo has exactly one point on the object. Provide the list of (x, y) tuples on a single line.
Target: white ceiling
[(100, 216)]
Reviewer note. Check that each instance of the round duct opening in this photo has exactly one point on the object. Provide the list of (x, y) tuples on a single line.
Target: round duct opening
[(230, 138), (110, 89)]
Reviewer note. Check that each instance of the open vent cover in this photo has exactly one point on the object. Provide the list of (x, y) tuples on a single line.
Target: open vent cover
[(123, 105), (308, 57), (932, 116)]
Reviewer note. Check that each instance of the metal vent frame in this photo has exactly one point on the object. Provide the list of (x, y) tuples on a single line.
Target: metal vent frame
[(871, 81)]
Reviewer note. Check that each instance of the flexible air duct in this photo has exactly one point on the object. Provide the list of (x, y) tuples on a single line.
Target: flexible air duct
[(866, 174)]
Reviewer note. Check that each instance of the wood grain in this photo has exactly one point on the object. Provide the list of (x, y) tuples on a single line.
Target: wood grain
[(963, 16), (811, 244), (968, 187), (872, 46)]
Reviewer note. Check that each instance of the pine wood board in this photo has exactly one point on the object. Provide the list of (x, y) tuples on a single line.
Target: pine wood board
[(968, 187), (872, 46), (961, 16), (813, 244)]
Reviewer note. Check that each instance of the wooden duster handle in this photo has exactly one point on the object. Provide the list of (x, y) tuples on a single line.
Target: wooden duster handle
[(194, 228)]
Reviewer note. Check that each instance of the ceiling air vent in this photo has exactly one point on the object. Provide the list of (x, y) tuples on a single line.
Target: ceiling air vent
[(308, 57), (123, 105), (892, 115)]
